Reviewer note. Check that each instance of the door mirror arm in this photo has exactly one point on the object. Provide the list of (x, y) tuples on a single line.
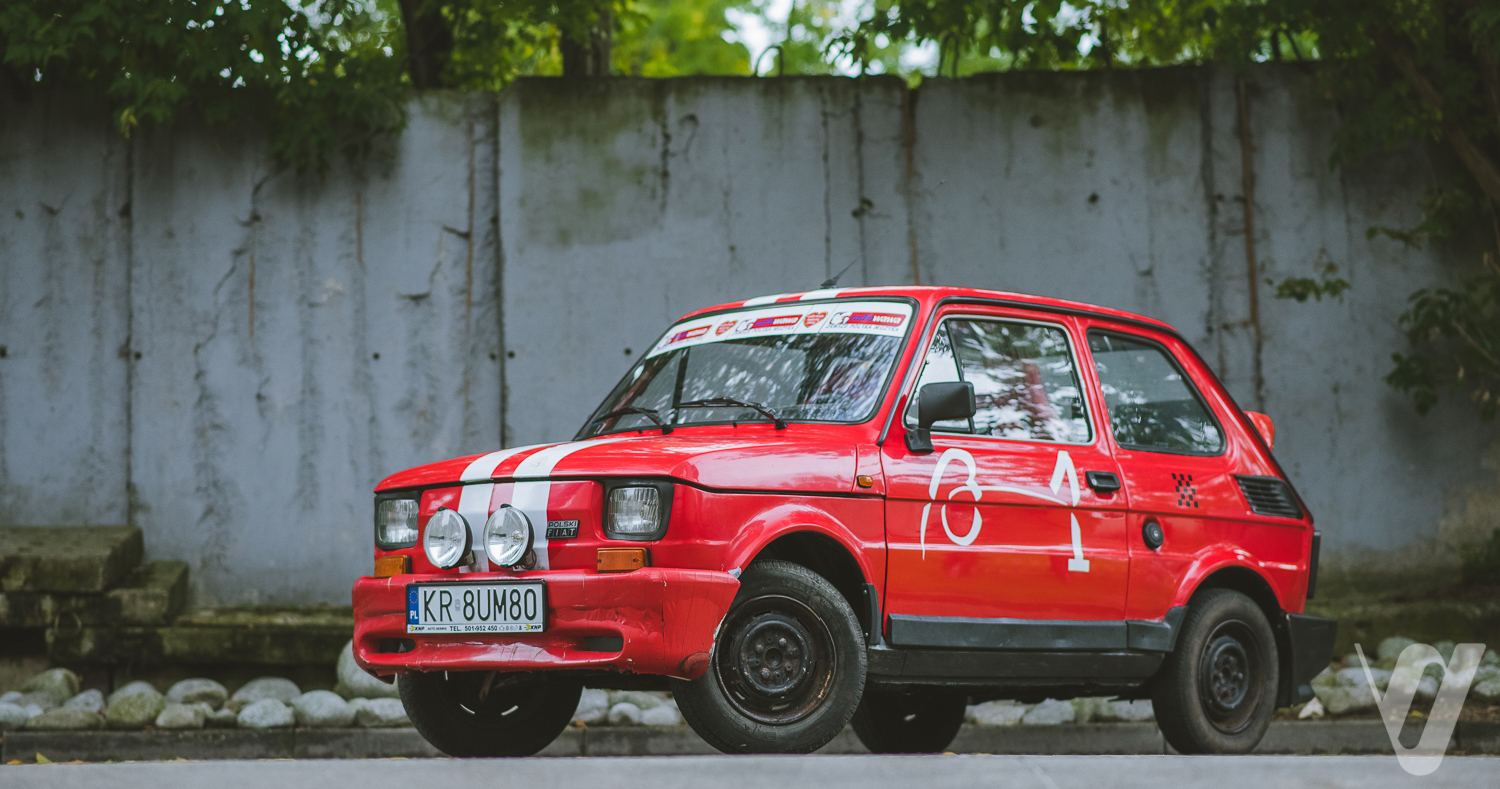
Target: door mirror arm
[(939, 402)]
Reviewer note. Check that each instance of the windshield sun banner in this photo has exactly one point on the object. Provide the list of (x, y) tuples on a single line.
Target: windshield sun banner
[(884, 318)]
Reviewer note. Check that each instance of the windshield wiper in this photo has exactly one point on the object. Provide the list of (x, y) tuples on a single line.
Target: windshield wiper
[(626, 410), (721, 402)]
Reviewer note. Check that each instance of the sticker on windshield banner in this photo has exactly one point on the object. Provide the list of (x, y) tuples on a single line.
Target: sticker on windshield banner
[(846, 317)]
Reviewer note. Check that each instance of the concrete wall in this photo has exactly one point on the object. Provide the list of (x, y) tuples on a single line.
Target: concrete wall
[(232, 357)]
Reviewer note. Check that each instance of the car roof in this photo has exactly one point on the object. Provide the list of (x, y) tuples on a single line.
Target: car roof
[(929, 296)]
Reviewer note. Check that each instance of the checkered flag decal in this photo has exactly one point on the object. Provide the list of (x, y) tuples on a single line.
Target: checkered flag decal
[(1187, 493)]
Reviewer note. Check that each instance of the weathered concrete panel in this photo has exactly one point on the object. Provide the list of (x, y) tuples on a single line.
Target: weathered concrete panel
[(303, 338), (64, 320), (627, 203)]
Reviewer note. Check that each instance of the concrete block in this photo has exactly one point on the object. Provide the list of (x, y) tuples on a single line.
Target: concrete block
[(150, 594), (259, 636), (1086, 738), (1479, 737), (363, 744), (101, 746), (67, 558)]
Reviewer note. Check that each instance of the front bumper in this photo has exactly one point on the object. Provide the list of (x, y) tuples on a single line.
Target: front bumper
[(655, 620)]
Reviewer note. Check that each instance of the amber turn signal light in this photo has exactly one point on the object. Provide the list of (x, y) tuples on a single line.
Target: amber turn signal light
[(623, 560), (865, 481), (387, 566)]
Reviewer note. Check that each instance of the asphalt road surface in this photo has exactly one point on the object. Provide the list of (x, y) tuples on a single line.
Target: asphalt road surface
[(780, 772)]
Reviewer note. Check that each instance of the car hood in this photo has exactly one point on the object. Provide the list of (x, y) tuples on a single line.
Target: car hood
[(759, 459)]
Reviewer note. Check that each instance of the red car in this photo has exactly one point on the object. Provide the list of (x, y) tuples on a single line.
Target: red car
[(867, 505)]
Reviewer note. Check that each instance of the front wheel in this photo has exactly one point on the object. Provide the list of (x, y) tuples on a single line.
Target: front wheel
[(787, 669), (923, 721), (1216, 691), (487, 713)]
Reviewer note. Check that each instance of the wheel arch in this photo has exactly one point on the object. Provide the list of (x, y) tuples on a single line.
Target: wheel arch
[(1247, 581), (827, 556)]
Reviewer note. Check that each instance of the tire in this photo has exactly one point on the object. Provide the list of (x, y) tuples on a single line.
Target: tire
[(922, 721), (1216, 691), (517, 715), (787, 669)]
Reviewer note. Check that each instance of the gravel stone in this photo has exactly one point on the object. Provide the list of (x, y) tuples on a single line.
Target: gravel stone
[(266, 714), (1390, 648), (1049, 713), (379, 713), (278, 688), (322, 709), (42, 700), (33, 710), (59, 684), (12, 716), (181, 716), (91, 700), (593, 707), (65, 719), (356, 683), (997, 713), (665, 715), (1346, 690), (218, 719), (1120, 711), (624, 714), (642, 699), (11, 697), (130, 690), (198, 689), (134, 710)]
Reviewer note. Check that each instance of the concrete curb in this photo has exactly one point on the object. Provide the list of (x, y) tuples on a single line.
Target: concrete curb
[(1353, 736)]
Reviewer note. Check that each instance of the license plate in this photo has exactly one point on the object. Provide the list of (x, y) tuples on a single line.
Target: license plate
[(511, 607)]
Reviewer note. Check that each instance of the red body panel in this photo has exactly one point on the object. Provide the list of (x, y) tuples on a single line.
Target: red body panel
[(740, 487)]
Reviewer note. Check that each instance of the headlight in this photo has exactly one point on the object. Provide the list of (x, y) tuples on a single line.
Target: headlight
[(395, 523), (634, 512), (507, 536), (447, 539)]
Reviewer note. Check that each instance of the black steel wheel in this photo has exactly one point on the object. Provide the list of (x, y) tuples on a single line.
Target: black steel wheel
[(1216, 692), (488, 713), (787, 669), (923, 720)]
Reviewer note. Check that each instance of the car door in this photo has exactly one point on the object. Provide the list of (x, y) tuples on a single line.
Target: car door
[(999, 520), (1174, 458)]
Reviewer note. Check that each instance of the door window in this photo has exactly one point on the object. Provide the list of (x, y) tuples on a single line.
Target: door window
[(1152, 405), (1026, 385)]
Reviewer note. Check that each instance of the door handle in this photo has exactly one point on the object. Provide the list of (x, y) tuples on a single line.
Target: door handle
[(1102, 481)]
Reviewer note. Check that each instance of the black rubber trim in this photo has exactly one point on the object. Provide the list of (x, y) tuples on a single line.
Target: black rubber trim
[(874, 624), (1101, 666), (1009, 634), (1312, 564), (1312, 640), (1156, 636), (1068, 635)]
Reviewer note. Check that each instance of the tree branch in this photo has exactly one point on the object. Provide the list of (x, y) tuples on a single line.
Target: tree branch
[(1474, 159)]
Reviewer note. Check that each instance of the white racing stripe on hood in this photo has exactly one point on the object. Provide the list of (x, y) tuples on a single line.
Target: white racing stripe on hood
[(759, 300), (828, 293), (531, 495), (474, 500)]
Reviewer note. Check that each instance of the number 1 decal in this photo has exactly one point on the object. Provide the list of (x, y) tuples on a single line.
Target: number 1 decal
[(1061, 472)]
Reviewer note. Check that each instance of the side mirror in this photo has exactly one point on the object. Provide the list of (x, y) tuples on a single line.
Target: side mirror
[(939, 403), (1264, 426)]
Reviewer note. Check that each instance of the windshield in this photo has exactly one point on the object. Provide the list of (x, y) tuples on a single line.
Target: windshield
[(810, 363)]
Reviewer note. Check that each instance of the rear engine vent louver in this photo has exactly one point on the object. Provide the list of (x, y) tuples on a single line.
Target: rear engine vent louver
[(1269, 496)]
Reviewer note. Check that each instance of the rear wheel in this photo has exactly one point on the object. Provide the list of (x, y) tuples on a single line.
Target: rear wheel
[(787, 669), (923, 721), (1216, 691), (487, 713)]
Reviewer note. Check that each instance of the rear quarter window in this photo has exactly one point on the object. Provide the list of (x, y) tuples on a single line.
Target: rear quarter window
[(1152, 405)]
